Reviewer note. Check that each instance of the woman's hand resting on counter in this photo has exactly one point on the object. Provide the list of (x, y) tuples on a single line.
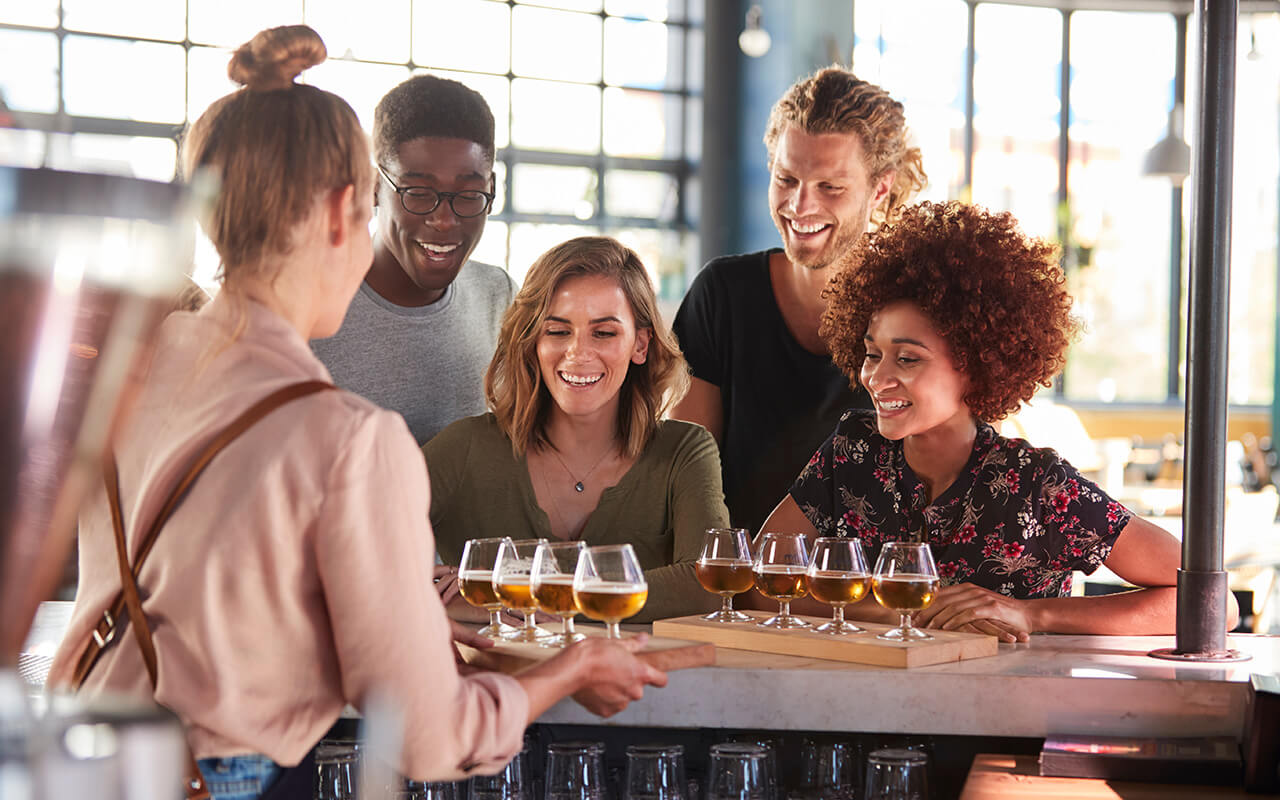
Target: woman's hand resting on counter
[(969, 607)]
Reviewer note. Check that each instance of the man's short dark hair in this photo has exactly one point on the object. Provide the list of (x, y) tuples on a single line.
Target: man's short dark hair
[(428, 105)]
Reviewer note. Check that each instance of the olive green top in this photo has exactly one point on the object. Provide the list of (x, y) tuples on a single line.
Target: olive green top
[(662, 505)]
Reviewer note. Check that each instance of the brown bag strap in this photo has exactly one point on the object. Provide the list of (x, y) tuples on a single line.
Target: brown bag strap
[(129, 600)]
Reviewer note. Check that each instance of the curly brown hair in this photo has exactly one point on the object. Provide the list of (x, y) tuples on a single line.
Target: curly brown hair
[(997, 297), (834, 100)]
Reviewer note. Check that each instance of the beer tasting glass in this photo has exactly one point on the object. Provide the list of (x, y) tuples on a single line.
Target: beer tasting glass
[(838, 576), (905, 581), (897, 774), (725, 568), (554, 564), (475, 584), (511, 582), (609, 585), (575, 771), (780, 573), (656, 772), (739, 771)]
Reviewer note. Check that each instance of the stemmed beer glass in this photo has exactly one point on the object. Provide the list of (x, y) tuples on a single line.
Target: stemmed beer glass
[(906, 581), (780, 569), (725, 568), (511, 581), (609, 585), (554, 564), (475, 584), (838, 576)]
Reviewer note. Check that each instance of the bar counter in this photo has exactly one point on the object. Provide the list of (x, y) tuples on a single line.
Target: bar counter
[(1055, 684)]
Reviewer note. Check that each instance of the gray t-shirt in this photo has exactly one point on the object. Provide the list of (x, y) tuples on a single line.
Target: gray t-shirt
[(427, 362)]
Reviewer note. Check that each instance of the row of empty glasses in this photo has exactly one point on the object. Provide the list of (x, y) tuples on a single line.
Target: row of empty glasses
[(562, 579), (834, 571)]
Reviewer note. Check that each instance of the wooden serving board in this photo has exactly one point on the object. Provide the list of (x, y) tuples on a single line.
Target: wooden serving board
[(861, 648), (663, 653)]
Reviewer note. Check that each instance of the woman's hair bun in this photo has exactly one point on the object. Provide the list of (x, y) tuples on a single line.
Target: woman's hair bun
[(274, 57)]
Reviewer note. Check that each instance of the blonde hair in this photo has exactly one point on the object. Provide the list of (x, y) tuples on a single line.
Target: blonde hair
[(272, 146), (834, 100), (513, 383)]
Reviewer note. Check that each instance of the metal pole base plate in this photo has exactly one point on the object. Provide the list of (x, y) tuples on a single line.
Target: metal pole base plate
[(1172, 654)]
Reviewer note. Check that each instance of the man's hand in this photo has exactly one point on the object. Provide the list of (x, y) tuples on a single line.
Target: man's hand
[(969, 607)]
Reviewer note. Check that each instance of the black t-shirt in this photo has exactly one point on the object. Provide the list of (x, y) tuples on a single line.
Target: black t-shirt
[(779, 400)]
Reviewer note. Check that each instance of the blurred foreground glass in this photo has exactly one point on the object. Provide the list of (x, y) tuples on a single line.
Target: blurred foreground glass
[(337, 769), (475, 584), (838, 576), (609, 585), (511, 581), (656, 772), (724, 568), (554, 564), (509, 783), (905, 581), (897, 774), (420, 790), (781, 573), (739, 771), (89, 264), (575, 771)]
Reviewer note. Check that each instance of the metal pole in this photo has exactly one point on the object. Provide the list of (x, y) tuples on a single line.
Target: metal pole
[(721, 118), (1202, 582), (1173, 379), (970, 64)]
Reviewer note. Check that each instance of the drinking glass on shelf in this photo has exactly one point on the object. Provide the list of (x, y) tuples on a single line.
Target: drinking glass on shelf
[(511, 582), (656, 772), (609, 585), (508, 784), (838, 576), (554, 564), (780, 573), (337, 769), (905, 581), (738, 771), (420, 790), (897, 774), (725, 568), (475, 584), (575, 771)]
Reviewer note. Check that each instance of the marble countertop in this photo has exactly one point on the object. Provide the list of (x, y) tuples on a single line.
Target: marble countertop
[(1100, 685)]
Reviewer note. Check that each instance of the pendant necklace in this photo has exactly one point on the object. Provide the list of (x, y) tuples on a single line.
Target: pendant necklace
[(578, 485)]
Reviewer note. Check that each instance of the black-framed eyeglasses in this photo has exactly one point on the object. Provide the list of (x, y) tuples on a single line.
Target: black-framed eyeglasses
[(422, 200)]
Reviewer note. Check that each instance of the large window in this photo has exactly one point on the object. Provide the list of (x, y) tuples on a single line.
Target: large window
[(597, 101)]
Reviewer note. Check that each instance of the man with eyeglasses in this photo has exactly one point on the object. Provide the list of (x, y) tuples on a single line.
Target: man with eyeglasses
[(422, 329)]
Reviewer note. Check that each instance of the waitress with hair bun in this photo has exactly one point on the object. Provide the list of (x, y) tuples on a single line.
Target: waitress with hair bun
[(294, 575)]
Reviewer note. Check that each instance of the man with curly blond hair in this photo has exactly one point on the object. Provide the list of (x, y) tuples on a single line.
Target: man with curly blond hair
[(951, 318), (763, 382)]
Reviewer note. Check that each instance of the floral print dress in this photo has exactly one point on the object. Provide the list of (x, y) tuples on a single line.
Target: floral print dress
[(1018, 520)]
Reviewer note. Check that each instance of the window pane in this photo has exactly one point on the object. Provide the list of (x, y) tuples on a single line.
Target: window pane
[(21, 148), (29, 71), (361, 85), (693, 129), (1016, 76), (495, 90), (206, 78), (103, 76), (377, 32), (664, 254), (631, 193), (645, 124), (231, 23), (486, 50), (530, 240), (492, 247), (1117, 219), (149, 19), (648, 55), (545, 189), (657, 10), (696, 46), (37, 13), (576, 59), (571, 5), (134, 156), (575, 127)]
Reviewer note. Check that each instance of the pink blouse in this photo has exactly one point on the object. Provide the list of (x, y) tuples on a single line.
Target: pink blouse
[(296, 577)]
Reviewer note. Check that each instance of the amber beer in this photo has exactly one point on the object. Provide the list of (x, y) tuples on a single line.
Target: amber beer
[(554, 595), (836, 588), (905, 592), (607, 602), (476, 587), (514, 592), (781, 581), (724, 575)]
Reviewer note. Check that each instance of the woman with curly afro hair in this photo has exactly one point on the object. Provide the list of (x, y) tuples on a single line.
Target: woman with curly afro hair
[(950, 318)]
